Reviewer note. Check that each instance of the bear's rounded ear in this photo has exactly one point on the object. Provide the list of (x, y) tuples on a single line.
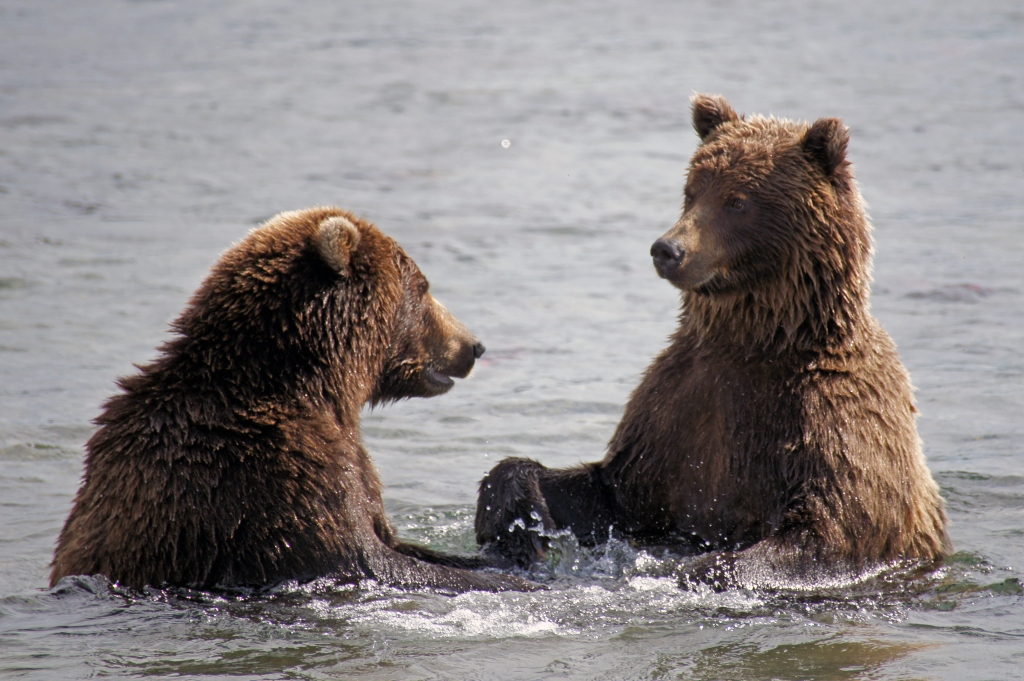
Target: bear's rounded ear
[(336, 238), (709, 112), (825, 144)]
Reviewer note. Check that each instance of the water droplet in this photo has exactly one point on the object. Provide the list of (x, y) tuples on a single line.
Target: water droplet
[(506, 144)]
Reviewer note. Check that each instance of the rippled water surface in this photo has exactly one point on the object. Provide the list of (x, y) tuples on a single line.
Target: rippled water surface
[(138, 139)]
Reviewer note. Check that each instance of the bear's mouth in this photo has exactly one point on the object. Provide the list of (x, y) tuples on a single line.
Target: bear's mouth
[(439, 379)]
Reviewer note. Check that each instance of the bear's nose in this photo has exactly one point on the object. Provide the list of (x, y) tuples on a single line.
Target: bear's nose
[(478, 349), (667, 255)]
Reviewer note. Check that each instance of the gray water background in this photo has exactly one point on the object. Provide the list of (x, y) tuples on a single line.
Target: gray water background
[(138, 139)]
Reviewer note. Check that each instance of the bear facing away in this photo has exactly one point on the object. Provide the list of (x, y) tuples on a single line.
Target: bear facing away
[(777, 430), (235, 458)]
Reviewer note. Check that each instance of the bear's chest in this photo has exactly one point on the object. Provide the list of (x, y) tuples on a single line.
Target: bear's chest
[(710, 436)]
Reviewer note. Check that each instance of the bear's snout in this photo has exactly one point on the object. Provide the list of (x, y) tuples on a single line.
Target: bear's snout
[(463, 351), (667, 255)]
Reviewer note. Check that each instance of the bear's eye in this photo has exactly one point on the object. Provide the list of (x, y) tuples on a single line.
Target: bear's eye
[(687, 197), (735, 203), (423, 287)]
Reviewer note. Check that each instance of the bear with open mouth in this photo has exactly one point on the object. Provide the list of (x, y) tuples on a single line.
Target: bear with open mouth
[(235, 458)]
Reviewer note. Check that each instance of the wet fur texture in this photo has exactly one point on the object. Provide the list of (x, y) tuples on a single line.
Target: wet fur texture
[(778, 428), (235, 459)]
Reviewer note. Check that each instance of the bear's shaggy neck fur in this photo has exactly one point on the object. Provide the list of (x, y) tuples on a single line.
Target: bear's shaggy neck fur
[(820, 300)]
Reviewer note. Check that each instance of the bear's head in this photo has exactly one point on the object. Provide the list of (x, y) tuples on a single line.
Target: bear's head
[(765, 200), (773, 246), (320, 303)]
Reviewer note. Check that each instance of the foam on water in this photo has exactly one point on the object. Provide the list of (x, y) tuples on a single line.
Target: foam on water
[(566, 609)]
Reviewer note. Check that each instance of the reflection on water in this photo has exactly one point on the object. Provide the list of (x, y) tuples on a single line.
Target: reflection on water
[(825, 660), (139, 139)]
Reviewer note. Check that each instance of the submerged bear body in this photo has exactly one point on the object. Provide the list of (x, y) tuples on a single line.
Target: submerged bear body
[(235, 458), (778, 428)]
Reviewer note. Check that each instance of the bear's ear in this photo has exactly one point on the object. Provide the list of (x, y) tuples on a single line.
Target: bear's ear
[(825, 144), (336, 238), (709, 112)]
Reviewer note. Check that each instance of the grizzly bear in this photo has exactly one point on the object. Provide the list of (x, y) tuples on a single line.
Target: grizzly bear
[(235, 458), (776, 433)]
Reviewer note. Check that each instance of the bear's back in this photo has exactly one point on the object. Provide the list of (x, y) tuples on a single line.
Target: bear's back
[(182, 492)]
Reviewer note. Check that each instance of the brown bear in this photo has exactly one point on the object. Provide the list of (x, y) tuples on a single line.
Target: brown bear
[(235, 458), (777, 430)]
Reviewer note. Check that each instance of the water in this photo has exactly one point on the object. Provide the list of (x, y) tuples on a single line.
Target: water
[(139, 139)]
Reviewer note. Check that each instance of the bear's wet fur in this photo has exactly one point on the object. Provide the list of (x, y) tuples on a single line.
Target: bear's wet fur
[(777, 431), (235, 458)]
